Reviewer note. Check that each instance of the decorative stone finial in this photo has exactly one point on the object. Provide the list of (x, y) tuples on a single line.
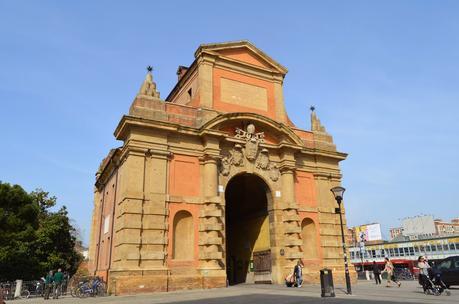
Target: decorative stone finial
[(148, 87), (315, 122), (322, 139)]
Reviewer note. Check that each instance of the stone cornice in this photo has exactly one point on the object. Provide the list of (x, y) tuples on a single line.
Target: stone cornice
[(206, 130), (108, 167)]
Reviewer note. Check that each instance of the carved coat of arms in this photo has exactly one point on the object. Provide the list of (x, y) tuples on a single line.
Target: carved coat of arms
[(250, 151), (252, 141), (263, 160), (236, 155)]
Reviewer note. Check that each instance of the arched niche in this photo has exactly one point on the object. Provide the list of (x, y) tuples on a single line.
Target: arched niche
[(183, 236), (309, 236)]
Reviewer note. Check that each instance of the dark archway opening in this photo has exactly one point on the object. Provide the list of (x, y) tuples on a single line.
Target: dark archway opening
[(247, 229)]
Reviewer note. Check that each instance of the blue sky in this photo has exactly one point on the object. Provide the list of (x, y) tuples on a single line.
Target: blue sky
[(383, 76)]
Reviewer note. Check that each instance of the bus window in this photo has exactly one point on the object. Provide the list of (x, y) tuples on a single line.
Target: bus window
[(416, 249), (427, 248), (411, 251), (445, 247), (406, 251), (457, 246), (373, 253), (400, 250), (451, 246), (421, 248), (433, 248), (391, 252)]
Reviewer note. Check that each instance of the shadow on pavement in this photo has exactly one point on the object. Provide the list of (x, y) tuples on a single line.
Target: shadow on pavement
[(275, 299)]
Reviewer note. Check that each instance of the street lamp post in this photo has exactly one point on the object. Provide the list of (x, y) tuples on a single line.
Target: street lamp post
[(338, 194)]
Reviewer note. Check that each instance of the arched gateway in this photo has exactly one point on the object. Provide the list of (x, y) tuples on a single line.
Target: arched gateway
[(214, 184), (247, 230)]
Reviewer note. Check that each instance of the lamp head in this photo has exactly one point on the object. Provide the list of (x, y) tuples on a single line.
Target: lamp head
[(338, 193)]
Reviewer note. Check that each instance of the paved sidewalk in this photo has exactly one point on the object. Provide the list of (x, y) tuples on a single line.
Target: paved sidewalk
[(363, 292)]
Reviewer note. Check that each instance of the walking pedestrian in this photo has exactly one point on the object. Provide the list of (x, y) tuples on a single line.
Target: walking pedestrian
[(298, 273), (377, 273), (424, 266), (58, 278), (389, 269), (48, 284)]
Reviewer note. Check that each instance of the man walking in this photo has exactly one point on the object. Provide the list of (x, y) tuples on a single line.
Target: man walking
[(48, 284), (58, 278), (377, 273)]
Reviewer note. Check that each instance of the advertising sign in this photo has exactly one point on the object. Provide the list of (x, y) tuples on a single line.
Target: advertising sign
[(370, 232)]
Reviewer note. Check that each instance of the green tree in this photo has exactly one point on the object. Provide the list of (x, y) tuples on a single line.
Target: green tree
[(43, 201), (18, 222), (55, 243), (33, 239)]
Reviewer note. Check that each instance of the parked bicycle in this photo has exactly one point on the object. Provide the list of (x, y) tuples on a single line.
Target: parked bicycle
[(9, 288), (403, 274), (32, 289), (91, 288)]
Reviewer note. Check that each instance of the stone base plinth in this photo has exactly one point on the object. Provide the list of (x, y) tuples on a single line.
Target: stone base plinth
[(136, 283)]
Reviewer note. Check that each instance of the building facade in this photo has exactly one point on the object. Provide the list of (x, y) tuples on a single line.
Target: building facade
[(447, 228), (215, 184), (421, 227), (404, 254)]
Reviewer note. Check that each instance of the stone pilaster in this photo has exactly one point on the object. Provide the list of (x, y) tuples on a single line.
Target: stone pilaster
[(205, 75), (211, 227), (290, 217), (95, 228)]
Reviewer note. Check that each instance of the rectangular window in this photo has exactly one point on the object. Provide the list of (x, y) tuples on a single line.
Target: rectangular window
[(411, 250), (427, 248), (106, 223), (416, 249), (433, 248), (451, 246), (422, 248), (445, 247), (391, 252)]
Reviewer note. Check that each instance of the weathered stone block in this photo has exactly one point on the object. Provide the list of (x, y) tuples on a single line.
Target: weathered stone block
[(210, 255), (211, 227), (211, 241)]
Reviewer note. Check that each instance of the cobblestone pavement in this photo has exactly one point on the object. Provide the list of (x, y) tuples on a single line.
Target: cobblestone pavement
[(363, 292)]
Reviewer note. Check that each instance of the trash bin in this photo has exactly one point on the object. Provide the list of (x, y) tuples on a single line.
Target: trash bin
[(326, 283)]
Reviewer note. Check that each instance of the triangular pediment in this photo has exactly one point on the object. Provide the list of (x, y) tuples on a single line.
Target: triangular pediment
[(242, 51)]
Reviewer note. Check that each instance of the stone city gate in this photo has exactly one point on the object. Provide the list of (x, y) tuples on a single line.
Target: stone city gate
[(215, 184)]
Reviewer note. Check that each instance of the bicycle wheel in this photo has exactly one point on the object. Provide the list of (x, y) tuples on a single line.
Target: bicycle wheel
[(73, 291), (79, 293), (25, 294), (101, 290)]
